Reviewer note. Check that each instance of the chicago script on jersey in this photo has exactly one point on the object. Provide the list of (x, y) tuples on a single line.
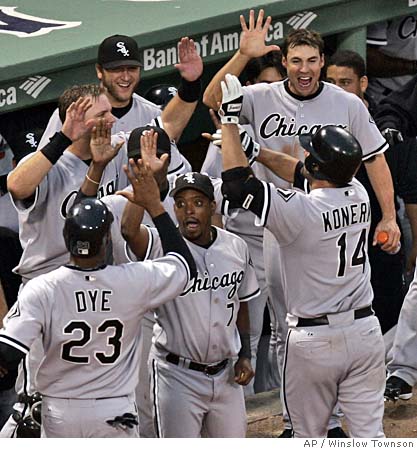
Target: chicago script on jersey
[(277, 125), (232, 279)]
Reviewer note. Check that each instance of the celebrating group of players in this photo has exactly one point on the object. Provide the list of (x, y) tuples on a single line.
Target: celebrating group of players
[(143, 282)]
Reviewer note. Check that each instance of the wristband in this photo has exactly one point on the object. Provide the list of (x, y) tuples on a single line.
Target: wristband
[(245, 351), (189, 91), (56, 147)]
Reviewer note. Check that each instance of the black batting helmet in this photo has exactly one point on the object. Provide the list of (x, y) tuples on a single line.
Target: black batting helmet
[(161, 94), (86, 226), (335, 154)]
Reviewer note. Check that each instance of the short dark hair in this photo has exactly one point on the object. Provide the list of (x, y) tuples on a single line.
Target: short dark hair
[(256, 65), (73, 93), (349, 58), (302, 36)]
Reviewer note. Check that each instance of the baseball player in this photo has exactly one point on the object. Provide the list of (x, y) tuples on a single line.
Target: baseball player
[(265, 69), (43, 187), (279, 112), (90, 337), (157, 156), (193, 363), (118, 69), (334, 350)]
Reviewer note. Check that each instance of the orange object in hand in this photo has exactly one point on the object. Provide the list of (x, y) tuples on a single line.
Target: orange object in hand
[(382, 237)]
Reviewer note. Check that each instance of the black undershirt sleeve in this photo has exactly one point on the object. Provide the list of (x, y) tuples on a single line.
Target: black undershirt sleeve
[(172, 241)]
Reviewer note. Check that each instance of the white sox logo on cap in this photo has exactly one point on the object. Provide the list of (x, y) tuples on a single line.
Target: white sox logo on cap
[(189, 178), (121, 48)]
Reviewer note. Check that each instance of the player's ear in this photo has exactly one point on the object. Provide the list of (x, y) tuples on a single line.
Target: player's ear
[(363, 83), (99, 72), (213, 207)]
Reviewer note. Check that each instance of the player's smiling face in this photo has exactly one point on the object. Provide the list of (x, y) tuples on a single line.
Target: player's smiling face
[(120, 83), (303, 64), (194, 211)]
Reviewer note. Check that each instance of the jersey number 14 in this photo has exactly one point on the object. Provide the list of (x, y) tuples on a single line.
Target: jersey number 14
[(358, 257)]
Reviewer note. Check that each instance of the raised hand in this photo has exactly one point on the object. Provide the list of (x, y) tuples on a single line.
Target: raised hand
[(148, 148), (145, 191), (102, 152), (190, 63), (75, 126), (252, 38), (232, 98)]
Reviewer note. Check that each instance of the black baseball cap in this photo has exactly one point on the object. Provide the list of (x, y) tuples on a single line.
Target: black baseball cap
[(193, 180), (133, 144), (118, 50)]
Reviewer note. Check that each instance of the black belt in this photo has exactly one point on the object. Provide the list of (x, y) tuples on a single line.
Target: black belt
[(208, 369), (323, 320)]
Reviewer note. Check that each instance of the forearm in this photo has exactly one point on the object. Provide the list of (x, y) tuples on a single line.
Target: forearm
[(381, 65), (281, 164), (91, 182), (243, 326), (24, 179), (133, 232), (213, 93), (232, 153), (176, 116), (381, 181)]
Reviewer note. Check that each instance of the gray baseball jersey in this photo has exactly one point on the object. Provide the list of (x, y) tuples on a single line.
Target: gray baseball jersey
[(41, 222), (322, 244), (89, 320), (200, 324), (278, 116), (396, 38), (336, 221), (141, 113)]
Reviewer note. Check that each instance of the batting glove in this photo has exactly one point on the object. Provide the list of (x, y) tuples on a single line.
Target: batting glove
[(229, 111), (249, 145)]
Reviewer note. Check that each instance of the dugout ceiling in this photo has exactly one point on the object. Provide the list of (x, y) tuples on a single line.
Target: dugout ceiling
[(48, 45)]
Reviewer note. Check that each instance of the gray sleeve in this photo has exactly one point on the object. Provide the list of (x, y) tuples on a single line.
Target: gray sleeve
[(365, 130), (283, 212), (249, 287), (25, 320), (54, 125), (247, 113)]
